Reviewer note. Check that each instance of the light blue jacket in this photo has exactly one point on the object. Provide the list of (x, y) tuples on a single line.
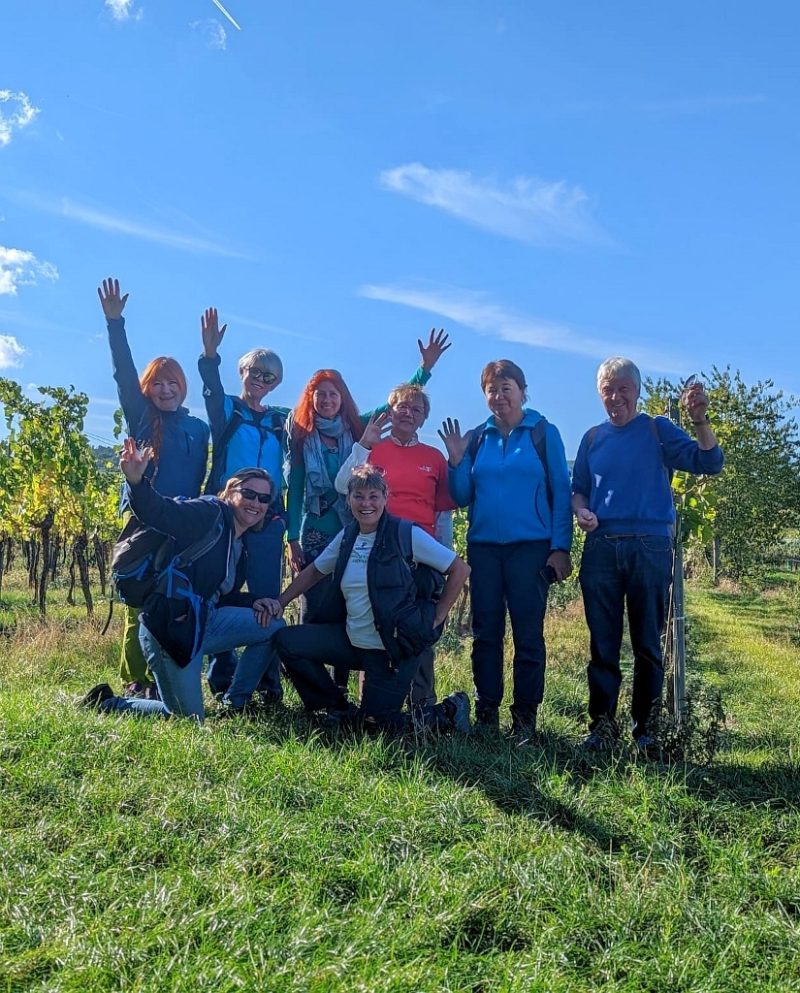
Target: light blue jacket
[(506, 489)]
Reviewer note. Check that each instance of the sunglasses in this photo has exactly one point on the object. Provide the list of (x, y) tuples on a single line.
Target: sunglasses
[(249, 494), (261, 377)]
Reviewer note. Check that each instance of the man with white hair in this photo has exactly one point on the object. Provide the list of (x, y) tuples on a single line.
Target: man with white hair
[(622, 499)]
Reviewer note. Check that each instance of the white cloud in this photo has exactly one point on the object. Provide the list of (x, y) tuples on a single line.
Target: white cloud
[(476, 311), (11, 352), (105, 220), (19, 113), (524, 208), (124, 10), (213, 33), (234, 320), (20, 268)]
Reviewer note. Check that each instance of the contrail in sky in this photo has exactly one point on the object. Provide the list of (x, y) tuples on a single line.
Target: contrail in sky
[(219, 7)]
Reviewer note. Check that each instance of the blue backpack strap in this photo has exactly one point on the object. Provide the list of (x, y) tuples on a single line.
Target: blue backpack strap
[(475, 442)]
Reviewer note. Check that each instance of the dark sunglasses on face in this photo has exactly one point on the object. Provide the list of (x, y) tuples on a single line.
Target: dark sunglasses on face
[(262, 377), (249, 494)]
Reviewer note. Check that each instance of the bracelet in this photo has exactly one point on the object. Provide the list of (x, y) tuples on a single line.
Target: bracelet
[(704, 421)]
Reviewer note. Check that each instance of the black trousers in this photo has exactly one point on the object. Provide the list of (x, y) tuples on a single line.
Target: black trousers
[(307, 649)]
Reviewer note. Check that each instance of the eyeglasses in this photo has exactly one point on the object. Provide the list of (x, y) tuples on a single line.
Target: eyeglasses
[(409, 409), (260, 376), (249, 494)]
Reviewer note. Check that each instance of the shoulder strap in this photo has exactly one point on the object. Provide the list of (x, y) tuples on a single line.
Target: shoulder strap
[(539, 439), (404, 540), (657, 435), (475, 442), (203, 544)]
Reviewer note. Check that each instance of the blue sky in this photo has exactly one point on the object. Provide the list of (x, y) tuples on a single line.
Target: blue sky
[(551, 183)]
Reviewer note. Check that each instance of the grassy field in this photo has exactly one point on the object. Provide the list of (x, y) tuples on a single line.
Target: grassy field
[(153, 855)]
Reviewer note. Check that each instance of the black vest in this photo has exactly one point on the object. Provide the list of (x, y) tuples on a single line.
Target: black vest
[(403, 618)]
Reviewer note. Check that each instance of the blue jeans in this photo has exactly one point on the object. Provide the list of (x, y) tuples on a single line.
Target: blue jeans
[(264, 568), (508, 576), (180, 687), (619, 571)]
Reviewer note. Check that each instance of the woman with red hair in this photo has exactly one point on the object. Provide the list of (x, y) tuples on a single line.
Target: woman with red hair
[(322, 429), (153, 409)]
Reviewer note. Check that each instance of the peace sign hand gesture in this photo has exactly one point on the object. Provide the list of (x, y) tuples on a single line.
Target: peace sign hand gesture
[(211, 332), (455, 444), (133, 461), (110, 300)]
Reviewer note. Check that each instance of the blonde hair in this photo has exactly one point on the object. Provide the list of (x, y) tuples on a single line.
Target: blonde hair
[(406, 392)]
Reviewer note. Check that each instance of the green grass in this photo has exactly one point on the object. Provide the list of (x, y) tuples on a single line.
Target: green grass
[(154, 855)]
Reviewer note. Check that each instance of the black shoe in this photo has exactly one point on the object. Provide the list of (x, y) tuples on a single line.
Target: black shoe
[(603, 736), (96, 696), (488, 718), (647, 746), (523, 725), (268, 699)]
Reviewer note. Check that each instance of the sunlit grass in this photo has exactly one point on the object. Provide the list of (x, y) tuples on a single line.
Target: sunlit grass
[(158, 855)]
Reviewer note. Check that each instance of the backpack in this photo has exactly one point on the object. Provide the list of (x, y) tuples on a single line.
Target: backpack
[(429, 581), (539, 440), (144, 560), (273, 422)]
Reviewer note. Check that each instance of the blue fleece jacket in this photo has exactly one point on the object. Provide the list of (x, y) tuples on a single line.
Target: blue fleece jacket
[(254, 442), (506, 489), (624, 473), (183, 453)]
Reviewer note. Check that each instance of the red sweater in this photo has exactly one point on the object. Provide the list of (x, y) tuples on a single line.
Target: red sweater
[(417, 478)]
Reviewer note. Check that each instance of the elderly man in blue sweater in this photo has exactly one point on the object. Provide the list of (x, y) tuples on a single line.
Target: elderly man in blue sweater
[(622, 499)]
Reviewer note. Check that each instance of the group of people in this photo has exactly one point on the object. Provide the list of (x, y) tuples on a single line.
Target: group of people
[(365, 509)]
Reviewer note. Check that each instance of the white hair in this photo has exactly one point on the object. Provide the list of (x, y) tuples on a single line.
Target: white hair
[(615, 367)]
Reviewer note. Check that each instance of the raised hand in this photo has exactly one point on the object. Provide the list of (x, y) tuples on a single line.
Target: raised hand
[(455, 444), (376, 429), (133, 461), (695, 401), (110, 300), (437, 344), (211, 331)]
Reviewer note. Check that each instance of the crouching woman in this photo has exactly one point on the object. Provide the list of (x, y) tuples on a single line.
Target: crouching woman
[(176, 632), (382, 618)]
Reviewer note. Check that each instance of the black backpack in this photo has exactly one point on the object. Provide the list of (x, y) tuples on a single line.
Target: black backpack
[(144, 560), (539, 440)]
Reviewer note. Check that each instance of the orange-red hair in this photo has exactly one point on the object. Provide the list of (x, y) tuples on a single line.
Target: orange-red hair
[(304, 411), (163, 365)]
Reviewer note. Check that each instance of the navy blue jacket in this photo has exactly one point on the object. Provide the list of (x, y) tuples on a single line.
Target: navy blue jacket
[(187, 521), (183, 455)]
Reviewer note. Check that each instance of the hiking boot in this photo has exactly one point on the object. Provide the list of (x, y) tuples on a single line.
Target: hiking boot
[(457, 709), (96, 696), (647, 746), (487, 718), (603, 736), (523, 725), (151, 692), (268, 699)]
